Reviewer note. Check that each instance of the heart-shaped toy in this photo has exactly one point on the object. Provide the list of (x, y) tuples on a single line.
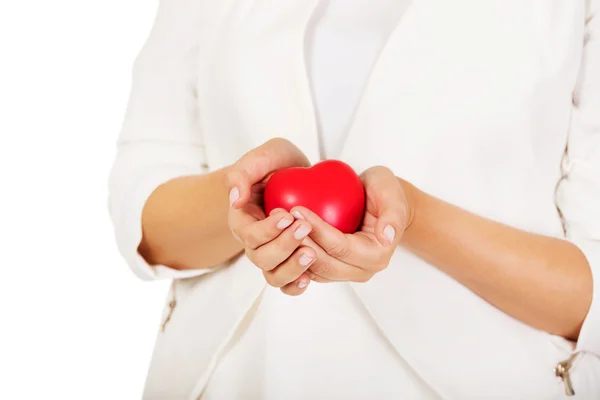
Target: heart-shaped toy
[(331, 189)]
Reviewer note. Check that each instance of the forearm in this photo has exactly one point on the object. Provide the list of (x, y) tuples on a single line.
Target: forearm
[(185, 224), (543, 281)]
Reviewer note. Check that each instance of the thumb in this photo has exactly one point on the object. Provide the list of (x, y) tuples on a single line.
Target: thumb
[(238, 186), (252, 168), (391, 220), (259, 163)]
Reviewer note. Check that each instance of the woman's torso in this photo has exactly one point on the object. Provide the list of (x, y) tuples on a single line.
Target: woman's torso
[(468, 100), (323, 344)]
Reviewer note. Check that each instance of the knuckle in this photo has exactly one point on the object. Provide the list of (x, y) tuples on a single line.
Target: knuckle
[(378, 262), (290, 291), (398, 214), (259, 158), (364, 277), (320, 268), (272, 279), (232, 177), (241, 233), (236, 232), (236, 176), (312, 276), (376, 172), (251, 255), (268, 278), (384, 172), (257, 260), (288, 243), (380, 266), (236, 236), (270, 227), (252, 239), (379, 168), (339, 250), (278, 141), (261, 265), (382, 262)]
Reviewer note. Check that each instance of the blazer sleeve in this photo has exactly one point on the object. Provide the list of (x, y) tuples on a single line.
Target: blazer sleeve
[(578, 193), (160, 139)]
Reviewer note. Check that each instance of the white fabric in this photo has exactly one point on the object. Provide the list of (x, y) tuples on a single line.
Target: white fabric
[(472, 104), (322, 346), (349, 33), (274, 358)]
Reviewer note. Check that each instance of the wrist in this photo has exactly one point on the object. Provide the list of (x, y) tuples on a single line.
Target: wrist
[(413, 198)]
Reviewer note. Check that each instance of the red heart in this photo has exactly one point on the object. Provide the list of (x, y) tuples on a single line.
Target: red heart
[(331, 189)]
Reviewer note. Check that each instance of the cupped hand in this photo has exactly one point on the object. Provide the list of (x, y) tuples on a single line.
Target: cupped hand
[(358, 257), (273, 243)]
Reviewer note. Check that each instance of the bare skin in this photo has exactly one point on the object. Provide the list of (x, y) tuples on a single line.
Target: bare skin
[(204, 221), (543, 281), (186, 229), (189, 223)]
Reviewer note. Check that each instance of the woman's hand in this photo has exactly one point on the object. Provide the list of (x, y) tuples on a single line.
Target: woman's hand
[(358, 257), (273, 243)]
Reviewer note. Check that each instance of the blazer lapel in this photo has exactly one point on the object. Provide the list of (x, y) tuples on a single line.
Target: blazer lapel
[(291, 112), (254, 80), (392, 53), (296, 95)]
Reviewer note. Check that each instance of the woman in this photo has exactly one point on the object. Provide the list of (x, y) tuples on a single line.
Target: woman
[(476, 129)]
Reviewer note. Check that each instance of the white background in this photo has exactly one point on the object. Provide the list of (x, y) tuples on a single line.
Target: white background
[(74, 321)]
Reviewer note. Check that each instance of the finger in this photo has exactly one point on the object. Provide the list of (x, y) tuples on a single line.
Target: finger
[(292, 268), (318, 278), (330, 239), (270, 255), (314, 277), (392, 217), (389, 204), (297, 287), (239, 186), (258, 233), (276, 211), (326, 268), (275, 154), (238, 219), (257, 164), (359, 250)]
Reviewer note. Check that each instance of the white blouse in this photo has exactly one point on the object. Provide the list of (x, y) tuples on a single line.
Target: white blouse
[(272, 357)]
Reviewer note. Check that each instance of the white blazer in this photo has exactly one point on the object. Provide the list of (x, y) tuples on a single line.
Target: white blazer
[(472, 101)]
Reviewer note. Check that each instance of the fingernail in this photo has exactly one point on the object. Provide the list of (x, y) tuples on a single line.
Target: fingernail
[(284, 223), (390, 233), (301, 232), (297, 215), (305, 260), (234, 194), (302, 283)]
